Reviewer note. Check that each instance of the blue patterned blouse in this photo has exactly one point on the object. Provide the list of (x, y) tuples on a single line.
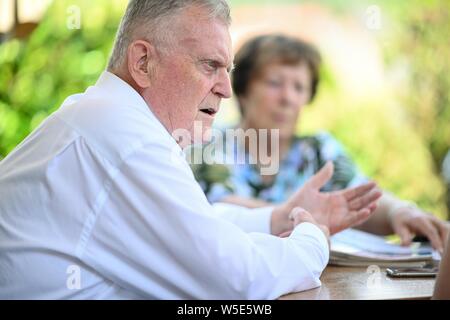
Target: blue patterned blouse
[(307, 155)]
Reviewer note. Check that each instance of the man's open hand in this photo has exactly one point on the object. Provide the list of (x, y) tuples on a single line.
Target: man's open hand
[(338, 210)]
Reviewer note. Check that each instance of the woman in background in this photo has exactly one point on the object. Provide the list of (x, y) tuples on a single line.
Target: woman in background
[(275, 77)]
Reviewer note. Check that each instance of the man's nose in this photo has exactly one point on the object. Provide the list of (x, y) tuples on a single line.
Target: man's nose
[(223, 85)]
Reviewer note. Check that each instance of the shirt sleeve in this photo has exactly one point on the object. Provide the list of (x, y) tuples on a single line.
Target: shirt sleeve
[(249, 220), (346, 172), (157, 236)]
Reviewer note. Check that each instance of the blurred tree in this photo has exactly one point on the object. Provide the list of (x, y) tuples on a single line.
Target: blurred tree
[(56, 61), (423, 44), (398, 137)]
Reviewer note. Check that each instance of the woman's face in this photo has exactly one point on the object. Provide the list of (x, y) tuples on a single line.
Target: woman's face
[(275, 98)]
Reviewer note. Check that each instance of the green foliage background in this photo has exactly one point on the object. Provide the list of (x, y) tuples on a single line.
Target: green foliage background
[(55, 62), (401, 148), (399, 139)]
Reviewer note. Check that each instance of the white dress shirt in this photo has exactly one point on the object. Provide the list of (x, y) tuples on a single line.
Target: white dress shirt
[(99, 203)]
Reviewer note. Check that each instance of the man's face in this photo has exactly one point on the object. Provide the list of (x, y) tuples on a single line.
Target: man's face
[(191, 78)]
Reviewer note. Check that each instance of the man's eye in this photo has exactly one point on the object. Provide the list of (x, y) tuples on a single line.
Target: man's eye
[(210, 65)]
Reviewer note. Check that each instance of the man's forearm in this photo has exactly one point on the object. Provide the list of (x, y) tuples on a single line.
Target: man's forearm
[(248, 220), (279, 222), (250, 203)]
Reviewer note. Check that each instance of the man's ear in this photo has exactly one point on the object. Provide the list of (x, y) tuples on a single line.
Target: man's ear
[(141, 55)]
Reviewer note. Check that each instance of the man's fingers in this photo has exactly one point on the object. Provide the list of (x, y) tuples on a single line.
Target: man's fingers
[(285, 234), (322, 177), (325, 231), (373, 206), (299, 215), (365, 200), (352, 219), (353, 193)]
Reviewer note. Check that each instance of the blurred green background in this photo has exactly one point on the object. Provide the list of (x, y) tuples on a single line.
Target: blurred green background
[(385, 91)]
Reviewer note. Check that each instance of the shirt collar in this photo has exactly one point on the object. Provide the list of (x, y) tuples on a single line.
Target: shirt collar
[(119, 91)]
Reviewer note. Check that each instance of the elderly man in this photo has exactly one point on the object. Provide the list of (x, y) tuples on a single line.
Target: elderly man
[(98, 202)]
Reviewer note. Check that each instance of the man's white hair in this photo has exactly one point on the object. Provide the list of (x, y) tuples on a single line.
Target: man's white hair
[(153, 16)]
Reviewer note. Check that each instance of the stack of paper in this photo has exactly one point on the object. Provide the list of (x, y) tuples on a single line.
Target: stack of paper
[(357, 248)]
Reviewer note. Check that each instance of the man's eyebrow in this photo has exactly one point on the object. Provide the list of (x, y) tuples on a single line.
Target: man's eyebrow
[(229, 67), (220, 63)]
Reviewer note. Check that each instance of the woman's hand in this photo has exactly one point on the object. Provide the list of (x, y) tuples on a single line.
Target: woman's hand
[(410, 221)]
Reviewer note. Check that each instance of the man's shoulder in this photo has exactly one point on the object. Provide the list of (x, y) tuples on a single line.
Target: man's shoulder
[(114, 129)]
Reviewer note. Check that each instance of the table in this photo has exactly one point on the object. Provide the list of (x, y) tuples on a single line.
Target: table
[(362, 283)]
